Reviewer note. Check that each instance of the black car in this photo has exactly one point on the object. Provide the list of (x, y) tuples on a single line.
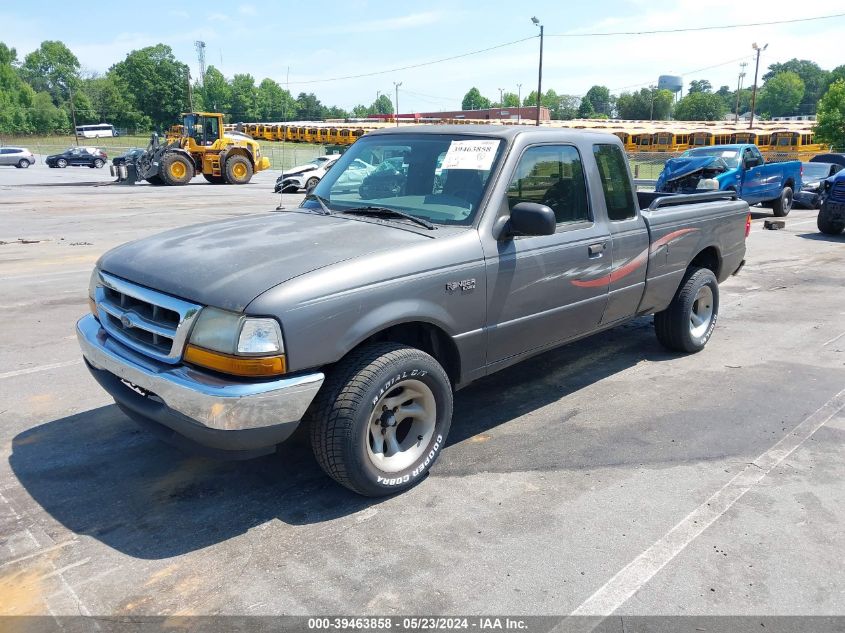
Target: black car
[(813, 176), (836, 159), (78, 157), (128, 156)]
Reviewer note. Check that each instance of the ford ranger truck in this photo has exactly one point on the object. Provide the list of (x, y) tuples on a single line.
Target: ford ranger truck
[(357, 315), (740, 168)]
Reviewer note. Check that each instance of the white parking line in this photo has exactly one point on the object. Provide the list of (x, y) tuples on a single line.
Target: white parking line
[(35, 370), (630, 579), (833, 340)]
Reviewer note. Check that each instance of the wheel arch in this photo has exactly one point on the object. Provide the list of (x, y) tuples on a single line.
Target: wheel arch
[(708, 257)]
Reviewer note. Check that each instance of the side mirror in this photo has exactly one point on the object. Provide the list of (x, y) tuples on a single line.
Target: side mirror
[(531, 218)]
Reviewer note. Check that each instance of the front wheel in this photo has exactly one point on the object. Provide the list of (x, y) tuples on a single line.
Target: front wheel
[(176, 169), (311, 183), (381, 419), (98, 163), (828, 225), (687, 324), (61, 163), (783, 205)]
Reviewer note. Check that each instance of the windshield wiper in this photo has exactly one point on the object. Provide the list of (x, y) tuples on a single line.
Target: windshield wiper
[(322, 201), (384, 211)]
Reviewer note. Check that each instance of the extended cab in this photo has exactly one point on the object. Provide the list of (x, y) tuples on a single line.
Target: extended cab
[(358, 314), (740, 168)]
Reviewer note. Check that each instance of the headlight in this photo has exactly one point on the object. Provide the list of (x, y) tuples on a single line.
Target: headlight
[(93, 282), (236, 344)]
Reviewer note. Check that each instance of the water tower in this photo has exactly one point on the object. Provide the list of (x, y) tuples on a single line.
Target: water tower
[(672, 83)]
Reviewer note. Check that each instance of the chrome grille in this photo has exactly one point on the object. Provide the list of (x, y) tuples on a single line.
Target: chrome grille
[(148, 321)]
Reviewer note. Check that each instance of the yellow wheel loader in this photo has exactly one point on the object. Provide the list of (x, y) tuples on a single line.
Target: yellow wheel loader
[(200, 147)]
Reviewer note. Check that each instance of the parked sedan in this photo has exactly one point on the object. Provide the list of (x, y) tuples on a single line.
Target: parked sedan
[(810, 196), (19, 157), (305, 176), (78, 157)]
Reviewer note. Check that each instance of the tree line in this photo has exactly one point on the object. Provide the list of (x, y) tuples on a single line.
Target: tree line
[(46, 90)]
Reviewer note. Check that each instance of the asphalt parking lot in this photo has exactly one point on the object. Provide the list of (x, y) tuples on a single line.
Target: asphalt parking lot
[(606, 477)]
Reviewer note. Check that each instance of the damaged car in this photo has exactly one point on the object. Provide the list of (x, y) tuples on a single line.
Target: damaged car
[(812, 192), (740, 168)]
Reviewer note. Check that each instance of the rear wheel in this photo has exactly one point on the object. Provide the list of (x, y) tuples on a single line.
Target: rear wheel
[(783, 205), (828, 225), (687, 324), (214, 180), (381, 418), (23, 163), (176, 169), (238, 170), (98, 163)]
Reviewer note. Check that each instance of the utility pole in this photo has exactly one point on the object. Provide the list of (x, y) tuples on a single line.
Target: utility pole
[(540, 73), (754, 90), (396, 85), (73, 113), (501, 98), (738, 89), (190, 92), (519, 105), (651, 116)]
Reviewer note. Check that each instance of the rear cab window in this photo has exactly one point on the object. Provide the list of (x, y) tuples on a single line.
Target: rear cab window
[(615, 183)]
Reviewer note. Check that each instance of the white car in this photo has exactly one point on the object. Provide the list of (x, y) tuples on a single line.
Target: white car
[(305, 176)]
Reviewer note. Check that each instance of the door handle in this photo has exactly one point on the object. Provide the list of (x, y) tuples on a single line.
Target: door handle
[(596, 250)]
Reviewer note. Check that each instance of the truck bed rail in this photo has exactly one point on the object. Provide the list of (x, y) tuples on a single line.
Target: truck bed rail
[(670, 199)]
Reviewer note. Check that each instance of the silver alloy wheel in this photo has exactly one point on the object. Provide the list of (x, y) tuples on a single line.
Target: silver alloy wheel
[(401, 426), (702, 312), (61, 162)]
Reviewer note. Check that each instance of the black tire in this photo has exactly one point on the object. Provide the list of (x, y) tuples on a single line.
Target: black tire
[(214, 180), (674, 326), (827, 225), (783, 205), (23, 164), (238, 170), (98, 163), (176, 169), (61, 163), (155, 180), (311, 183), (339, 419)]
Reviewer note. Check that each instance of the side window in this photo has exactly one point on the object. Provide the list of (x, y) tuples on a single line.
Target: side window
[(552, 175), (615, 182)]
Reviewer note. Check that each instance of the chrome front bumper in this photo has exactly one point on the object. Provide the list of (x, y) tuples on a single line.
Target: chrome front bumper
[(211, 401)]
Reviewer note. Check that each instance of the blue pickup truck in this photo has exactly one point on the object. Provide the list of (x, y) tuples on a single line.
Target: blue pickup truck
[(740, 168)]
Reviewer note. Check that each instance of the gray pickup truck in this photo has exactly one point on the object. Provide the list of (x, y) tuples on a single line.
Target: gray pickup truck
[(459, 251)]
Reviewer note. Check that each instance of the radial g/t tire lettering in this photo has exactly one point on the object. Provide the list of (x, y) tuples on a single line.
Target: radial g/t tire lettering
[(687, 324)]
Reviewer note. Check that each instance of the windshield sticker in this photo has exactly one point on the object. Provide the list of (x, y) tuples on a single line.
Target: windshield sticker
[(471, 155), (728, 154)]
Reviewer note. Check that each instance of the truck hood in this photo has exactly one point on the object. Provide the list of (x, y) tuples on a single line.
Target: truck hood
[(228, 263), (677, 168)]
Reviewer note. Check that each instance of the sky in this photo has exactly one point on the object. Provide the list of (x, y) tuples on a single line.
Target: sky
[(311, 46)]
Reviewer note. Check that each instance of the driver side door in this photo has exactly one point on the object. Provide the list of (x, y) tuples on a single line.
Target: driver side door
[(753, 180)]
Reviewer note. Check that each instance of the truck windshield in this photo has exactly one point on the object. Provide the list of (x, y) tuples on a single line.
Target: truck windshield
[(731, 157), (440, 178)]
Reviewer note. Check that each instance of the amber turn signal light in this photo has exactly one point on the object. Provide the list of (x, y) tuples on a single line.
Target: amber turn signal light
[(236, 365)]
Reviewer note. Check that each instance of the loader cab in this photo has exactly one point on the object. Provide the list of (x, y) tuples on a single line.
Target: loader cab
[(204, 129)]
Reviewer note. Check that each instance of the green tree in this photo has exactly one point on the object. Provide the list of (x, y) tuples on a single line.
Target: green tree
[(596, 101), (52, 68), (156, 83), (815, 81), (216, 92), (510, 100), (244, 98), (700, 106), (273, 102), (308, 107), (782, 94), (382, 105), (700, 85), (648, 103), (334, 112), (830, 120), (473, 100), (360, 111), (15, 95), (45, 117), (567, 107), (108, 103)]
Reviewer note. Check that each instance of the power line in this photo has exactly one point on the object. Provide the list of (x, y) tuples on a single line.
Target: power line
[(699, 28), (420, 65)]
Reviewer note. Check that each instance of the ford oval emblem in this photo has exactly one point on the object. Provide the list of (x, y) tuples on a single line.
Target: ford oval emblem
[(125, 321)]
